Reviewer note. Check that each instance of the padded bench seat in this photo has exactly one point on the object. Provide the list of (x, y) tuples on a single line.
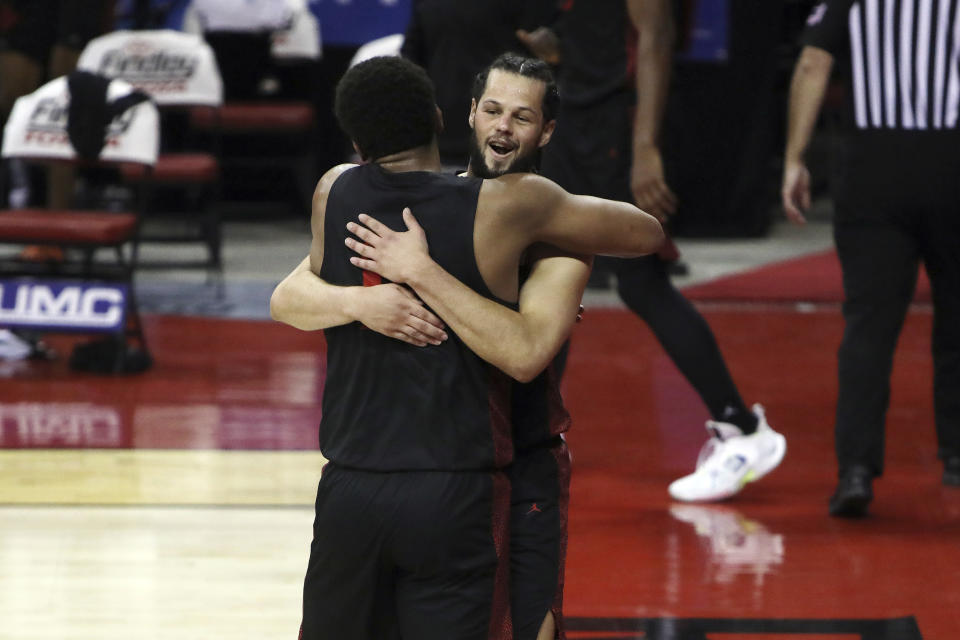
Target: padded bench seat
[(66, 227), (198, 168), (256, 116)]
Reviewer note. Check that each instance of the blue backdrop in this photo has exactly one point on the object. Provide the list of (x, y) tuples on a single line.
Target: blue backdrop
[(709, 32), (342, 22)]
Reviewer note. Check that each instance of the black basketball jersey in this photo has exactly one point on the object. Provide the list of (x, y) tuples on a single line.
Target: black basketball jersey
[(538, 411), (537, 408), (388, 405), (598, 47)]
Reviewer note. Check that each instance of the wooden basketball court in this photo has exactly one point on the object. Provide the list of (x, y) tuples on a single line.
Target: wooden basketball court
[(177, 504)]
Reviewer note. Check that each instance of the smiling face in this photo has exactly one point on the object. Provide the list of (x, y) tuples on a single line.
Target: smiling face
[(508, 125)]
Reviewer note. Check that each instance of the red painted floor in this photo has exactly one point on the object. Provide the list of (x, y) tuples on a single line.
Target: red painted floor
[(772, 552), (767, 564)]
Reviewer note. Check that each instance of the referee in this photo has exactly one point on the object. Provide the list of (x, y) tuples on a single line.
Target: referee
[(897, 202)]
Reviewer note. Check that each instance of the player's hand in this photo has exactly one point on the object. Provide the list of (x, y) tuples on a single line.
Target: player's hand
[(394, 311), (542, 42), (580, 312), (394, 255), (649, 188), (795, 191)]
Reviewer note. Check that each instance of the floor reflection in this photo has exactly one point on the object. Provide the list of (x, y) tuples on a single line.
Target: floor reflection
[(88, 425), (79, 425), (736, 545)]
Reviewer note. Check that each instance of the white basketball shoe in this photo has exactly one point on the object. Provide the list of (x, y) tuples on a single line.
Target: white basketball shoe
[(13, 347), (729, 460)]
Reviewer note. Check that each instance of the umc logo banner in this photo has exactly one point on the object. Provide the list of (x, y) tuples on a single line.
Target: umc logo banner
[(73, 306)]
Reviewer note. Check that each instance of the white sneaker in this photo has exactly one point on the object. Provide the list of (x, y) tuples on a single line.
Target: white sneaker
[(771, 446), (729, 460), (13, 347)]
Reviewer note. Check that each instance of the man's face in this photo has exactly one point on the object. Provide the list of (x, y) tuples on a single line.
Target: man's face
[(508, 125)]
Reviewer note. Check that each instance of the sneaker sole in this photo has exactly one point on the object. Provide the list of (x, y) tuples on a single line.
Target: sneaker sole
[(748, 477), (711, 498)]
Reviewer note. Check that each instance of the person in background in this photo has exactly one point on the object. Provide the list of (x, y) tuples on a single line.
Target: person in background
[(453, 41), (615, 58), (896, 205), (41, 40)]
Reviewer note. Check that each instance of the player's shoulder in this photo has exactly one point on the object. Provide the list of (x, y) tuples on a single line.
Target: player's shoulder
[(519, 179), (522, 198), (333, 173), (519, 185), (327, 179)]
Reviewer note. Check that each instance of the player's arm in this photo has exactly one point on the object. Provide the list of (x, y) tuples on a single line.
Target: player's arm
[(305, 301), (309, 303), (653, 21), (521, 343), (807, 89), (543, 17), (550, 303), (539, 210)]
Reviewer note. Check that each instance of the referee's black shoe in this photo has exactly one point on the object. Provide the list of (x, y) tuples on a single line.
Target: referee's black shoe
[(951, 471), (854, 493)]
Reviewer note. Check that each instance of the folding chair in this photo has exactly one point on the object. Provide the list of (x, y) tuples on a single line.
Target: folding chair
[(180, 72), (268, 140), (300, 40), (82, 293), (385, 46)]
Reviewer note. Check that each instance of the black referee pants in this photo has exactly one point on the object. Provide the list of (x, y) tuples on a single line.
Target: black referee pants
[(899, 204)]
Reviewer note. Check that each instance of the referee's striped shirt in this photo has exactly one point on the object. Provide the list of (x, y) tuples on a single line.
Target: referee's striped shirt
[(904, 59)]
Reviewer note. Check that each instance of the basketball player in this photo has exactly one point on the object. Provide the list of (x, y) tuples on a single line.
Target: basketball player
[(405, 536), (615, 58), (540, 473)]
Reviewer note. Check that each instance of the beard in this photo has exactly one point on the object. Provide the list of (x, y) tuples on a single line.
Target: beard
[(525, 163)]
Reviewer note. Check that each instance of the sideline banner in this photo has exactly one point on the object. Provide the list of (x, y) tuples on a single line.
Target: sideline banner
[(175, 68), (62, 305), (37, 127)]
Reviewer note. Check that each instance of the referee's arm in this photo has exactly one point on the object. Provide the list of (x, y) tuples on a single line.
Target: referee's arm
[(809, 84)]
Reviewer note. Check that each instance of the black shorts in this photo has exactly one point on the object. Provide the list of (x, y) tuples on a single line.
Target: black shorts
[(591, 153), (408, 555), (540, 495), (32, 27), (591, 150)]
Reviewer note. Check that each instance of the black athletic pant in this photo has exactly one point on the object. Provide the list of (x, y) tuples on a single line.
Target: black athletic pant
[(899, 203), (590, 153), (540, 498), (645, 287)]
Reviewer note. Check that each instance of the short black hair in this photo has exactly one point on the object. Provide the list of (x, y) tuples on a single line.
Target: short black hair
[(528, 68), (385, 105)]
